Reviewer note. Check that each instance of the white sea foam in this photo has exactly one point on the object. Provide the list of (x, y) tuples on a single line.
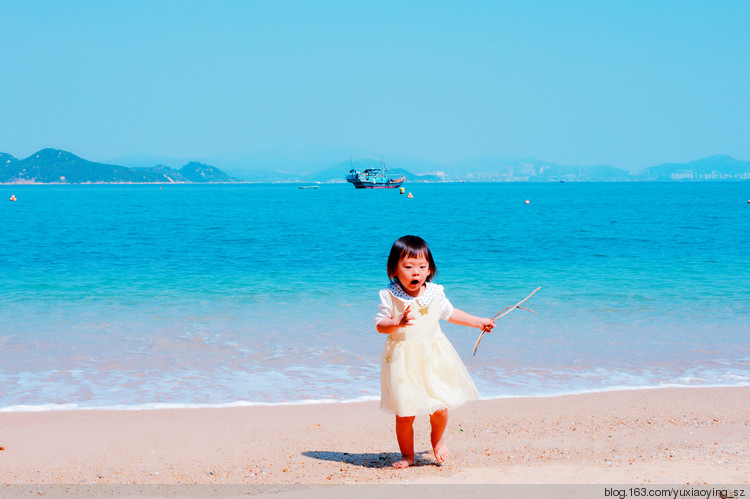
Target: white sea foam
[(156, 407), (242, 403), (613, 389)]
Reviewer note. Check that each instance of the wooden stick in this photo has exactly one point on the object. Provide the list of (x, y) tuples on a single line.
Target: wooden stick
[(505, 312)]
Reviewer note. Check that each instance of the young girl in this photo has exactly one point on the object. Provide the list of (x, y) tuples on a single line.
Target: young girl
[(420, 372)]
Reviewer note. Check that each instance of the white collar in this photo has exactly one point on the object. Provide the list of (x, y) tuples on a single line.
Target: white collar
[(423, 300)]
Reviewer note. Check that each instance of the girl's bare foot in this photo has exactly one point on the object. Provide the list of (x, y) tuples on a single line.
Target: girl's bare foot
[(441, 451), (438, 421), (404, 462)]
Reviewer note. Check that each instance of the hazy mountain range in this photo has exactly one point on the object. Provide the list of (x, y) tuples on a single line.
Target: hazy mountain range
[(56, 166), (331, 165)]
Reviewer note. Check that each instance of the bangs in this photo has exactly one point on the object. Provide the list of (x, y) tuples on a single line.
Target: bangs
[(412, 253)]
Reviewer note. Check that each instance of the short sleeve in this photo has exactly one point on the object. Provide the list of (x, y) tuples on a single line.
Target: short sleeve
[(385, 308), (446, 308)]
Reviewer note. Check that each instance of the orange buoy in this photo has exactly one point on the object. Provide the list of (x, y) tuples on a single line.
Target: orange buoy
[(13, 197), (410, 196), (528, 202)]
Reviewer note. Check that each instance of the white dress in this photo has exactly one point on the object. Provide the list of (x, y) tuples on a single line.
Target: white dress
[(420, 371)]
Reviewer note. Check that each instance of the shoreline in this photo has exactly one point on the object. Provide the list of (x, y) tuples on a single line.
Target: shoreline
[(21, 408), (690, 435)]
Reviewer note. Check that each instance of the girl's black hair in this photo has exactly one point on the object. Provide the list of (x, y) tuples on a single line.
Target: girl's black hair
[(409, 247)]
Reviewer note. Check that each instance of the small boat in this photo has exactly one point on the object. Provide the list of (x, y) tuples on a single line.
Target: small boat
[(309, 186), (373, 178)]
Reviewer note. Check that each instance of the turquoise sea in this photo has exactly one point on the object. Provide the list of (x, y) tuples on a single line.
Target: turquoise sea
[(133, 296)]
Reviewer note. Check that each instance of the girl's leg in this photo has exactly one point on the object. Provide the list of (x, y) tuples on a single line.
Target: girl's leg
[(438, 422), (405, 437)]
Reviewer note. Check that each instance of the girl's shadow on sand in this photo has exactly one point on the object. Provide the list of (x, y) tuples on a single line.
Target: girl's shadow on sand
[(366, 460)]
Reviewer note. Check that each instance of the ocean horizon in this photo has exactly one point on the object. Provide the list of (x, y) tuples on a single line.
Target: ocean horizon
[(147, 296)]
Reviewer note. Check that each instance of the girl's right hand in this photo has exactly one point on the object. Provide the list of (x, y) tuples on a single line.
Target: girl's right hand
[(409, 317)]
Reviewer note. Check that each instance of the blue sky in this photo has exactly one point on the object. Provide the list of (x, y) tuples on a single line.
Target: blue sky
[(631, 84)]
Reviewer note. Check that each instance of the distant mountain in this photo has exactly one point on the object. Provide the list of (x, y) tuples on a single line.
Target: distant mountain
[(56, 166), (202, 173), (51, 165), (720, 167)]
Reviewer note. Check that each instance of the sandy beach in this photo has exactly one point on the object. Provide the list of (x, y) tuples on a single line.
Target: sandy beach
[(676, 436)]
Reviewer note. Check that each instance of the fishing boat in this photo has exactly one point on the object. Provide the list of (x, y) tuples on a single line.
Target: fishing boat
[(373, 178)]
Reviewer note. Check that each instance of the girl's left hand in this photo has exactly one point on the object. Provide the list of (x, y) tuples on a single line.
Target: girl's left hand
[(486, 325)]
